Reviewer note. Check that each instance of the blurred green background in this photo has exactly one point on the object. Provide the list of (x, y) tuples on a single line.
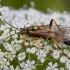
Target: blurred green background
[(61, 5)]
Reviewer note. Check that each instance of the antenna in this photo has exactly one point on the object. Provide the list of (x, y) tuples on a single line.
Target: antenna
[(11, 25), (10, 35)]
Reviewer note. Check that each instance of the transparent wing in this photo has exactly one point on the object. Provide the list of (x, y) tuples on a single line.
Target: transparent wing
[(64, 31)]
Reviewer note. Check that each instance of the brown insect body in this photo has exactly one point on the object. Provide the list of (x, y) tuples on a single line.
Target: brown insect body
[(58, 33), (45, 32)]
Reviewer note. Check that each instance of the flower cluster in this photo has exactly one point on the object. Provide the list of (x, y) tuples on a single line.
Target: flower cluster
[(19, 52)]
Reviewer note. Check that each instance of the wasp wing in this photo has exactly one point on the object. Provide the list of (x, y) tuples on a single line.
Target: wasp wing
[(62, 31)]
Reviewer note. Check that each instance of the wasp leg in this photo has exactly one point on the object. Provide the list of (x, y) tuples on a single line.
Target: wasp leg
[(40, 45), (51, 22), (43, 47), (60, 48)]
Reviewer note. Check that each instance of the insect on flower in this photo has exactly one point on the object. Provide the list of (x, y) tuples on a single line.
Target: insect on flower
[(58, 33)]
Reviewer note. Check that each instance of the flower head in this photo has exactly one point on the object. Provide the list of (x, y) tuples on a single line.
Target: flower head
[(29, 65), (19, 52), (51, 66)]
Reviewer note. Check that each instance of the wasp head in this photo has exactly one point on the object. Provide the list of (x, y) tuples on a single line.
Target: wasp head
[(25, 30), (22, 31)]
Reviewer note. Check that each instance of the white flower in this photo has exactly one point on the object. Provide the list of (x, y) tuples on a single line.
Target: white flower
[(56, 54), (63, 59), (48, 47), (68, 54), (2, 27), (6, 68), (29, 65), (68, 64), (11, 68), (31, 43), (9, 55), (6, 31), (45, 43), (26, 44), (41, 55), (8, 46), (4, 62), (5, 34), (66, 51), (28, 50), (1, 54), (18, 41), (15, 35), (31, 50), (51, 66), (61, 68), (21, 56), (12, 47)]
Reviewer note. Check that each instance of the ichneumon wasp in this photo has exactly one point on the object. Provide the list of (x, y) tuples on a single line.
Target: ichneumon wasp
[(57, 33)]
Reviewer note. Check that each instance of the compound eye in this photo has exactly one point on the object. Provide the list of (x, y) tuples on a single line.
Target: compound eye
[(23, 31), (30, 28)]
